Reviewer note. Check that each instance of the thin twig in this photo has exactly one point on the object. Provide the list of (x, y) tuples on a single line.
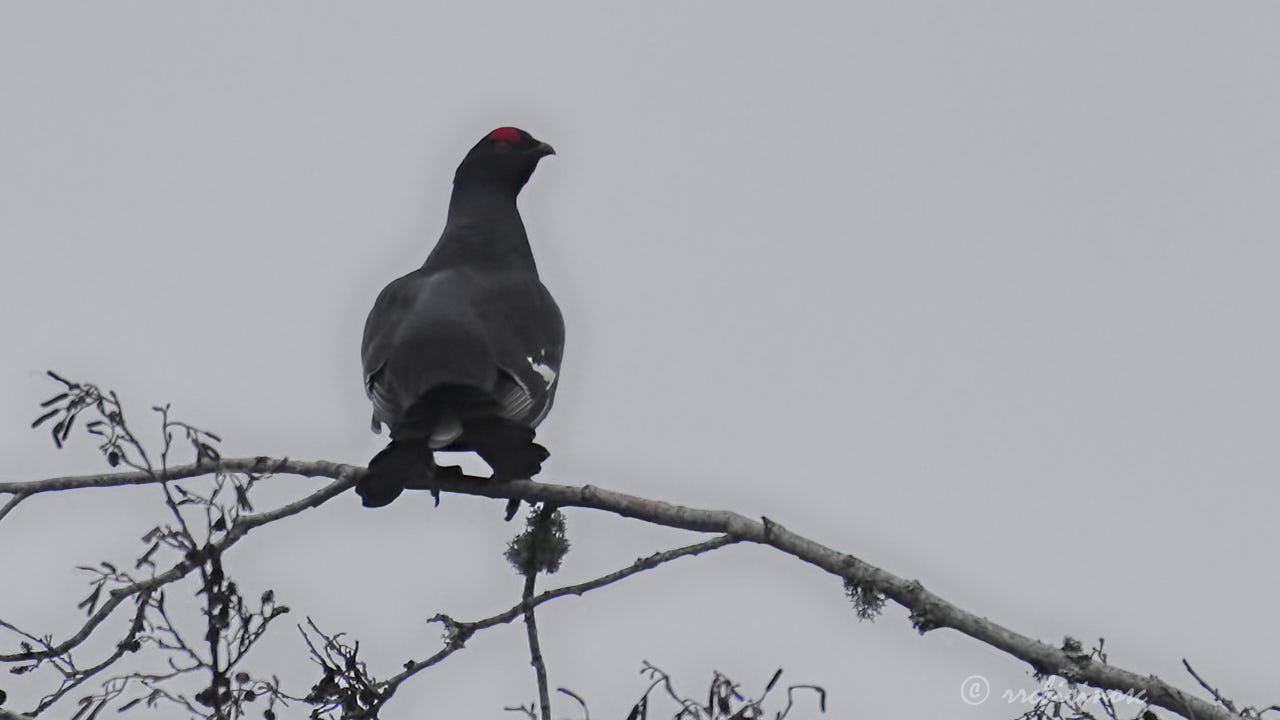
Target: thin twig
[(122, 647), (1224, 702), (237, 531), (540, 530), (586, 713), (457, 633), (662, 678), (13, 502)]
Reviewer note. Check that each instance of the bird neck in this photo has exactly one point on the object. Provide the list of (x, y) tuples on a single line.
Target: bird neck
[(483, 228)]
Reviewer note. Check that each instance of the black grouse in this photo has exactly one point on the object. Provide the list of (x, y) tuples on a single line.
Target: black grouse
[(464, 352)]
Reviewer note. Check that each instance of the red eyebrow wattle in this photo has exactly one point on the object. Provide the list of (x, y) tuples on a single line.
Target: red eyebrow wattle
[(506, 134)]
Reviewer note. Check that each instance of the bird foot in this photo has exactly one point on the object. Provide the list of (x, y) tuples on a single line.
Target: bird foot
[(449, 472)]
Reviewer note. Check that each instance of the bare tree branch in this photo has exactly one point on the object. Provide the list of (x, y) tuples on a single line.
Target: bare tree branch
[(540, 529), (345, 477), (535, 648), (1247, 712), (586, 713), (725, 698), (128, 644), (12, 503), (458, 633), (1224, 702), (928, 610), (254, 465)]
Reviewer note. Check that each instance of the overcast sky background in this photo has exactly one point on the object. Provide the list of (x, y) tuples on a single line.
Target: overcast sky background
[(982, 293)]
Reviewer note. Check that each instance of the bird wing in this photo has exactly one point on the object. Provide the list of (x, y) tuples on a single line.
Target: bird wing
[(422, 334), (527, 332), (500, 332)]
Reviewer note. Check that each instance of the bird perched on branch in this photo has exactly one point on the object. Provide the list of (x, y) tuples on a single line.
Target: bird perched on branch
[(464, 352)]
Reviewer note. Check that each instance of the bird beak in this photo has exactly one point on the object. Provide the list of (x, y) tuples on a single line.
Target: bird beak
[(542, 149)]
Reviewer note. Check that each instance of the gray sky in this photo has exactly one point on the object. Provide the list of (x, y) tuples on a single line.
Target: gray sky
[(982, 293)]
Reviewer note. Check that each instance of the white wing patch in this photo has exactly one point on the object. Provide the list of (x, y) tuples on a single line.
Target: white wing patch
[(517, 398), (546, 372)]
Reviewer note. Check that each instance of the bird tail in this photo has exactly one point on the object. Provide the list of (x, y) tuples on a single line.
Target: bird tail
[(390, 470)]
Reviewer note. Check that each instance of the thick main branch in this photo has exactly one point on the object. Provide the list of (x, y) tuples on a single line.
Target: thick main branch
[(928, 610)]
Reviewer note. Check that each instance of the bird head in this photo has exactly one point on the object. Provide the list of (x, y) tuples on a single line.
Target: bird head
[(504, 158)]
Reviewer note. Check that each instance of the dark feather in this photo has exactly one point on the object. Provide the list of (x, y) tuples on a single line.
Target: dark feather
[(464, 352), (393, 468)]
